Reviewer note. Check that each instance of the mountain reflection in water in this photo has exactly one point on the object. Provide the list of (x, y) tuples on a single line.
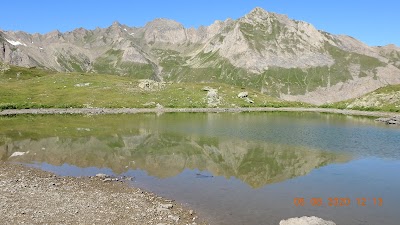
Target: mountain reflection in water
[(166, 155)]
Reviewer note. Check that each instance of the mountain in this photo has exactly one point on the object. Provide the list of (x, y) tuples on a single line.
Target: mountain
[(266, 51)]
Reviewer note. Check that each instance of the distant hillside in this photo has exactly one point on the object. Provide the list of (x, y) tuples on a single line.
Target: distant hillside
[(269, 52), (382, 99), (37, 88)]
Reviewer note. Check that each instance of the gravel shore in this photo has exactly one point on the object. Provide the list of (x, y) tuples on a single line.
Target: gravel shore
[(32, 196), (169, 110)]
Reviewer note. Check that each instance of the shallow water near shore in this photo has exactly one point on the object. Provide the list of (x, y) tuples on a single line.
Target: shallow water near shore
[(233, 168)]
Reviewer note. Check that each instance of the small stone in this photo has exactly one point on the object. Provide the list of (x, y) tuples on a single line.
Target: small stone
[(191, 212), (107, 180), (102, 175), (175, 218), (160, 209), (128, 178), (166, 206)]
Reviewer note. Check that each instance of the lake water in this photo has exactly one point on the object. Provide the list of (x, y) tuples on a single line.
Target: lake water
[(243, 168)]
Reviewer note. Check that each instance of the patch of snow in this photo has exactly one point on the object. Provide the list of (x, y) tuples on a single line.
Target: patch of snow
[(40, 48), (125, 29), (132, 34), (15, 42)]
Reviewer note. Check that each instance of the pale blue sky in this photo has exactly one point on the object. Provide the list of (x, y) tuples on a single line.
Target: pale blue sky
[(373, 22)]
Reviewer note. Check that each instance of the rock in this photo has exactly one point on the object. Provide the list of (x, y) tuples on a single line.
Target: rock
[(160, 209), (129, 178), (151, 85), (102, 175), (159, 106), (392, 120), (305, 220), (206, 88), (244, 94), (213, 98), (18, 154), (107, 180), (166, 206), (191, 212), (82, 85), (175, 218), (248, 100), (147, 104)]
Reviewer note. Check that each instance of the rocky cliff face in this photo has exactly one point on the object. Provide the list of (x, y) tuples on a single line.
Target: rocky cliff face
[(262, 50)]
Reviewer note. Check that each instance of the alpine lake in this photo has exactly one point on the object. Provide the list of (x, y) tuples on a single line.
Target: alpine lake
[(232, 168)]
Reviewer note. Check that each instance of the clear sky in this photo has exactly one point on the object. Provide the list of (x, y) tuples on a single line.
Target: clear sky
[(375, 22)]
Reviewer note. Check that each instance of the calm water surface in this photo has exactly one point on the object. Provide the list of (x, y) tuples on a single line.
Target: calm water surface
[(244, 168)]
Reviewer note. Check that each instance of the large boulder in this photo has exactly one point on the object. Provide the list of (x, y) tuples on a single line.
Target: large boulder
[(306, 220)]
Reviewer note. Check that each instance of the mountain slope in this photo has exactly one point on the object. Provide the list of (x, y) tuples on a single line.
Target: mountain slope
[(281, 57)]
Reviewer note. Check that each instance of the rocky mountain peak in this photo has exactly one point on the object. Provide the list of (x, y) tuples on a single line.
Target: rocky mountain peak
[(258, 11), (258, 14), (163, 24), (164, 31), (115, 24)]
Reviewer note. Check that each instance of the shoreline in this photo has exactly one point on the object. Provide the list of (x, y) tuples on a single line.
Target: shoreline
[(50, 111), (33, 196)]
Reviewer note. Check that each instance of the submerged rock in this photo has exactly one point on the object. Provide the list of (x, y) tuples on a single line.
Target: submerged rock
[(391, 120), (306, 220)]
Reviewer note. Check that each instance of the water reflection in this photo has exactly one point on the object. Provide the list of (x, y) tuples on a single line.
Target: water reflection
[(167, 155), (245, 152)]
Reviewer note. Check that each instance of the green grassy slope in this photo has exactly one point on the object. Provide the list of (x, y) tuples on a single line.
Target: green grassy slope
[(383, 99), (35, 88)]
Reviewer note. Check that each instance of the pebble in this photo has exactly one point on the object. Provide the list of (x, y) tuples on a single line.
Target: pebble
[(166, 206), (175, 218), (102, 175)]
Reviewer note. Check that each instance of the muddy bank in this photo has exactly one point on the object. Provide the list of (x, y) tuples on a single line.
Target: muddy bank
[(32, 196), (169, 110)]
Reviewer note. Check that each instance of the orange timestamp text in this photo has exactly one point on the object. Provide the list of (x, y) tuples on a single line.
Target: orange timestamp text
[(337, 201)]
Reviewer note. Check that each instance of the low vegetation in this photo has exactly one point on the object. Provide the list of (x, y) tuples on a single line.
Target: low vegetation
[(383, 99), (35, 88)]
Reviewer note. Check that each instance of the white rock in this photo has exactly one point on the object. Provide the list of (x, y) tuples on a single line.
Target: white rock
[(244, 94), (166, 206), (102, 175), (305, 220), (18, 154), (175, 218)]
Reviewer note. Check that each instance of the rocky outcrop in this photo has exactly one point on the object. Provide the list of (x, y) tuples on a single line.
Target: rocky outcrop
[(212, 98)]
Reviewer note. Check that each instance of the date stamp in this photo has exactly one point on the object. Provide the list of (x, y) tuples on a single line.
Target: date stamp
[(337, 202)]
